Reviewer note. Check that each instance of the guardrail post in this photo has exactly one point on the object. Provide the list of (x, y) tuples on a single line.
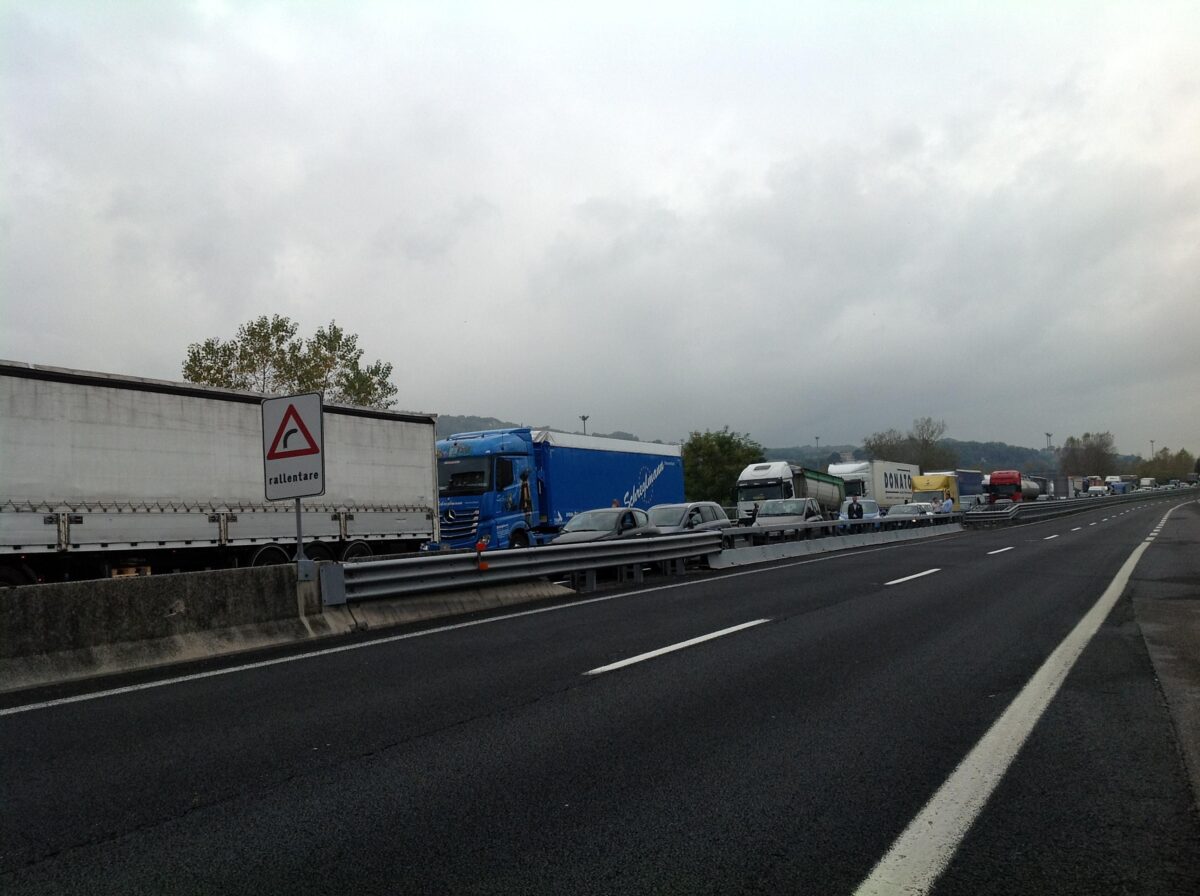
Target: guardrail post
[(333, 584), (632, 572)]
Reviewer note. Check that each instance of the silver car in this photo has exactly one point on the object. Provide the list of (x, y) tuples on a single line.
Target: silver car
[(694, 516), (604, 524)]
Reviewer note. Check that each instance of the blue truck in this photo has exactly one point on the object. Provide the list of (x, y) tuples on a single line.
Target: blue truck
[(518, 487)]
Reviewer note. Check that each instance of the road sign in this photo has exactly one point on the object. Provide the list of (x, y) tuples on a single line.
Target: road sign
[(293, 452)]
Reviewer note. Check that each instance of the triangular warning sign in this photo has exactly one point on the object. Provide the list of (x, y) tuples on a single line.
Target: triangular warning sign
[(305, 444)]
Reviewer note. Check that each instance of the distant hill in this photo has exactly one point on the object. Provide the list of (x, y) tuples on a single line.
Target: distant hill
[(448, 425), (812, 457), (986, 456)]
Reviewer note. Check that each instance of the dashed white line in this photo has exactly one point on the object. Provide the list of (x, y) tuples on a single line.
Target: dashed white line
[(1048, 537), (680, 646), (1001, 551), (927, 572), (1077, 528)]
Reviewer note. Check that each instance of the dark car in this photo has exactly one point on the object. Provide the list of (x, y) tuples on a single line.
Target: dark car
[(694, 516), (605, 524), (908, 516)]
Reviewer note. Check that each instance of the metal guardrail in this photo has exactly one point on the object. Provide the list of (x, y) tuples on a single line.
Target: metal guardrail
[(365, 580), (736, 536), (1033, 511)]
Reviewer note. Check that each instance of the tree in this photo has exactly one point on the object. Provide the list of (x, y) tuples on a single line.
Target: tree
[(1092, 455), (923, 445), (927, 449), (265, 356), (888, 445), (712, 462)]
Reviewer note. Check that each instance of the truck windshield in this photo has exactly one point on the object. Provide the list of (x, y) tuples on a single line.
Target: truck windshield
[(759, 491), (854, 487), (464, 476)]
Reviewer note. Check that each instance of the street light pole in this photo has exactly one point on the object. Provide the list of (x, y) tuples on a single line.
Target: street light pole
[(584, 418)]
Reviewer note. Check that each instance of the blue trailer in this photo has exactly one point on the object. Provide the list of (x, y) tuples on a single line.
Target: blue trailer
[(970, 482), (518, 487)]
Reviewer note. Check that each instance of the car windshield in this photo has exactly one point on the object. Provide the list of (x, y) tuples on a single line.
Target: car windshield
[(667, 515), (781, 508), (754, 491), (594, 521)]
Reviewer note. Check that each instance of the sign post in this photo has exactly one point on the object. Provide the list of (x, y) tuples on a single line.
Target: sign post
[(294, 458)]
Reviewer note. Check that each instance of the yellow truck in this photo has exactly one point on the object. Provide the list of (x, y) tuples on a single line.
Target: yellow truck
[(934, 488)]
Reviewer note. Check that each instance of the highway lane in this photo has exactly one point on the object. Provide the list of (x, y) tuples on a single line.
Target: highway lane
[(784, 756)]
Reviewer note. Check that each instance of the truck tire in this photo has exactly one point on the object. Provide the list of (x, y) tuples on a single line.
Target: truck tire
[(519, 539), (318, 551), (356, 550), (271, 555)]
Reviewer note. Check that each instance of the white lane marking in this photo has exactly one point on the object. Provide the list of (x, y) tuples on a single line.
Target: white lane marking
[(1077, 528), (922, 852), (1001, 551), (247, 667), (927, 572), (1048, 537), (642, 657), (1091, 524)]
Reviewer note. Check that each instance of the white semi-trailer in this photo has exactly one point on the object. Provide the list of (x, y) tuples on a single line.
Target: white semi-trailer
[(104, 475), (883, 481)]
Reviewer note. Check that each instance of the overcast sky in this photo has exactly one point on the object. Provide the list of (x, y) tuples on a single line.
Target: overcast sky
[(795, 219)]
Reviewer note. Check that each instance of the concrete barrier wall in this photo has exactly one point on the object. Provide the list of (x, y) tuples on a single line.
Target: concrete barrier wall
[(63, 632), (75, 615), (70, 630), (783, 550)]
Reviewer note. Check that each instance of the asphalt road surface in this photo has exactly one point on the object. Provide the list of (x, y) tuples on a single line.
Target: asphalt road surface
[(774, 730)]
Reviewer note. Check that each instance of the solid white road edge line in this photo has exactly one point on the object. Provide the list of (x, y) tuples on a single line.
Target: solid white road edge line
[(927, 572), (922, 852), (1001, 551), (671, 649)]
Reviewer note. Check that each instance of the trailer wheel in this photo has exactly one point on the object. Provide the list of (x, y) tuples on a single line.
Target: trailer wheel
[(318, 551), (356, 550), (271, 555)]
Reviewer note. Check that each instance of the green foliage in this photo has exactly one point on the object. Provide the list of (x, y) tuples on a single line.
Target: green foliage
[(1091, 455), (266, 356), (712, 462), (923, 445), (1167, 465)]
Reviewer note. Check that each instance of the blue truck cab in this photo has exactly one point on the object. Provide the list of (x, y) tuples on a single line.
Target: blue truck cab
[(518, 487)]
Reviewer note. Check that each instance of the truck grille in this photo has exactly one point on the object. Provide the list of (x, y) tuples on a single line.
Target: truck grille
[(463, 525)]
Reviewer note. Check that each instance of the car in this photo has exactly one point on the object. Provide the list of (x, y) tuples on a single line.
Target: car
[(790, 511), (605, 524), (693, 516), (908, 516), (871, 512), (1097, 491), (779, 511)]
